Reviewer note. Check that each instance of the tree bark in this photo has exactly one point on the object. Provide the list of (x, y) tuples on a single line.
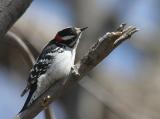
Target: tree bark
[(10, 11)]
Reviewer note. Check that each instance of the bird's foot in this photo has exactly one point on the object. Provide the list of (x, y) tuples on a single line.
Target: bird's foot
[(74, 70), (45, 101)]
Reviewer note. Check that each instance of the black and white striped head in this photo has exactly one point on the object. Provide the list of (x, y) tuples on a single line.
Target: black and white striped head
[(69, 36)]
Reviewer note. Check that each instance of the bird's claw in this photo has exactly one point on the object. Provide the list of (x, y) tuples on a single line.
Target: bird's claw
[(45, 101), (74, 70)]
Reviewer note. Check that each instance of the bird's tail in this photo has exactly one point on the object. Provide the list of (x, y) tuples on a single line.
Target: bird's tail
[(24, 91), (28, 99)]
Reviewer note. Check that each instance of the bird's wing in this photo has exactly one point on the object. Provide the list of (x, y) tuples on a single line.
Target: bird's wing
[(42, 64)]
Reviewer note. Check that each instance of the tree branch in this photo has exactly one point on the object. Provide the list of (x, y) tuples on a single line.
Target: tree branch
[(117, 106), (10, 11), (15, 40), (96, 54)]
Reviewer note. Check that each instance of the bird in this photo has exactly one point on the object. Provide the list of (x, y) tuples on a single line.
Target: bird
[(54, 63)]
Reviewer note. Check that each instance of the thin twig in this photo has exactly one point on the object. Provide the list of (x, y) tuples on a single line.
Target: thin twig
[(15, 40), (96, 54), (48, 114)]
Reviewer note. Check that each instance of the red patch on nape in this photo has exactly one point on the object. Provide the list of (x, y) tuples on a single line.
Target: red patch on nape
[(58, 38)]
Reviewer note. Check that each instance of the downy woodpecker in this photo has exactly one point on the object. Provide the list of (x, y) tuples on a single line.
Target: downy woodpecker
[(54, 63)]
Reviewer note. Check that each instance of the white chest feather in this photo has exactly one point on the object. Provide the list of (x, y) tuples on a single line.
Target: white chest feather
[(60, 68), (62, 64)]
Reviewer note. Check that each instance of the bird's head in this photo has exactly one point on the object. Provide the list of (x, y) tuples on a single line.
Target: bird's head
[(69, 36)]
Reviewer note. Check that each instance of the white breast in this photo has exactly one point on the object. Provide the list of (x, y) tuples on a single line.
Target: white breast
[(60, 68), (62, 64)]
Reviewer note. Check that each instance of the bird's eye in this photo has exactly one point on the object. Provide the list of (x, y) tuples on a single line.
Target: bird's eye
[(68, 37)]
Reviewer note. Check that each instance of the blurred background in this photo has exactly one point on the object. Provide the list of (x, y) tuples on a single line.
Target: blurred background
[(126, 85)]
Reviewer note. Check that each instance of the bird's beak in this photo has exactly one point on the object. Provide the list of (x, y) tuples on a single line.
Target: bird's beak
[(80, 30), (84, 28)]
